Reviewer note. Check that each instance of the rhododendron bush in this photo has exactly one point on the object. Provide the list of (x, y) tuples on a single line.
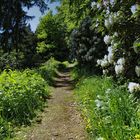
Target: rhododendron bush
[(122, 37), (118, 24), (87, 44)]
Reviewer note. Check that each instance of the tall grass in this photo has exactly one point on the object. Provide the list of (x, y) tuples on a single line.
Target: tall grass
[(110, 111)]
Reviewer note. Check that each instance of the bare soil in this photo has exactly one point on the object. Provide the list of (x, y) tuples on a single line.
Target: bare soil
[(61, 120)]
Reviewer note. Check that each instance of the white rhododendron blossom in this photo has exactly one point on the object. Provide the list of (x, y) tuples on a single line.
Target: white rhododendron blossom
[(133, 87), (110, 58), (99, 62), (105, 57), (112, 18), (110, 50), (121, 61), (104, 63), (107, 39), (110, 55), (137, 70), (119, 69)]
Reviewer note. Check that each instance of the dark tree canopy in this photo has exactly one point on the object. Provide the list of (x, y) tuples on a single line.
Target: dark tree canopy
[(13, 18)]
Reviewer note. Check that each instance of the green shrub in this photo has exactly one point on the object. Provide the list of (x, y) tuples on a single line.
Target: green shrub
[(48, 70), (87, 45), (110, 111), (5, 129), (21, 93)]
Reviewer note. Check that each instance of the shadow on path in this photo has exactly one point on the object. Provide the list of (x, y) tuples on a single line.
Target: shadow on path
[(62, 79)]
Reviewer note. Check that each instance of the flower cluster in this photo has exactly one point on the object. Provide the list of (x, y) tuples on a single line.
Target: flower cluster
[(107, 39), (107, 60), (133, 87), (119, 67)]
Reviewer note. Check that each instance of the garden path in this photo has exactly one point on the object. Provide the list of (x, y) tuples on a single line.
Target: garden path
[(61, 120)]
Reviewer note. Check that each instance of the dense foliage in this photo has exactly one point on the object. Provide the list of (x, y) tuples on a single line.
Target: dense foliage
[(26, 56), (13, 18), (48, 70), (86, 44), (109, 111), (22, 93), (122, 41), (51, 38), (117, 24), (101, 35)]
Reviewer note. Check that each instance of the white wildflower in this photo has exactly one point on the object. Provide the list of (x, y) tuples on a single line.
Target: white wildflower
[(119, 69), (121, 61), (108, 91), (137, 70), (133, 87), (99, 97), (100, 138), (107, 39), (99, 62), (98, 103)]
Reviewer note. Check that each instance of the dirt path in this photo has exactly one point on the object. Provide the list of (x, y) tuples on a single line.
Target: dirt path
[(60, 120)]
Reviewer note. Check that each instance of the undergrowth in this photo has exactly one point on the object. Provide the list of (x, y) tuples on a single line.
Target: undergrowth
[(48, 70), (110, 112), (22, 95)]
